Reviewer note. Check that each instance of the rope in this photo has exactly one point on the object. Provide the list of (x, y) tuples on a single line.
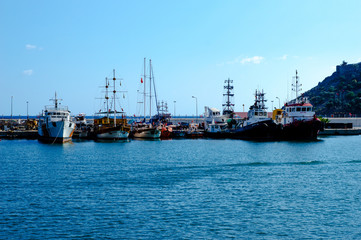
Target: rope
[(58, 132)]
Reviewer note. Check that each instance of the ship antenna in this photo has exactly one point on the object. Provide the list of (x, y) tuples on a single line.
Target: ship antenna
[(296, 86), (55, 101)]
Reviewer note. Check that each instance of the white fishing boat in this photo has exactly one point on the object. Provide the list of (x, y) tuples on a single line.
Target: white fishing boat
[(55, 124), (215, 124), (112, 124)]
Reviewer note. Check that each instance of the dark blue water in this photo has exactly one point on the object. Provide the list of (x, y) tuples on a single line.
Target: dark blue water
[(181, 189)]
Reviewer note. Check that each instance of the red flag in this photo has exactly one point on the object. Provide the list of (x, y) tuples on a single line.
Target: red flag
[(141, 80)]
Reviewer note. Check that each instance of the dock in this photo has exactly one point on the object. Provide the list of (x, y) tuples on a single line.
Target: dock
[(16, 134)]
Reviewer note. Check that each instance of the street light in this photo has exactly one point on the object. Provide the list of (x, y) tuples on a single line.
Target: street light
[(27, 110), (279, 102), (11, 107), (174, 107), (196, 108), (272, 105)]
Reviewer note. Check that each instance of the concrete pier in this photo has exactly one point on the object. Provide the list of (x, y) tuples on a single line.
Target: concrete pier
[(25, 134)]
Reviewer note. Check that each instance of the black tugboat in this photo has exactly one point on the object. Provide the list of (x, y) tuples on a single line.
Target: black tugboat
[(257, 126)]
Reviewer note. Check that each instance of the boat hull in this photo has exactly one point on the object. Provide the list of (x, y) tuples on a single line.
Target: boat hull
[(165, 134), (59, 131), (178, 133), (111, 133), (118, 134), (263, 130), (194, 134), (220, 134), (302, 130), (151, 133)]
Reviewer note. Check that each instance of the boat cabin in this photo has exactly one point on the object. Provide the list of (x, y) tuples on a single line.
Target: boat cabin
[(301, 108), (297, 112)]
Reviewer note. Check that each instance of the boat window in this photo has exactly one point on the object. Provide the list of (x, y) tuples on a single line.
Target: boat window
[(298, 109), (309, 109), (256, 113), (303, 109)]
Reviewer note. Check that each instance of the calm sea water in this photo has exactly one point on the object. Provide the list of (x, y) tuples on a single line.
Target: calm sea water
[(181, 189)]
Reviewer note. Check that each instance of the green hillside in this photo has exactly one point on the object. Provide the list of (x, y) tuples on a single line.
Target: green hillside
[(340, 93)]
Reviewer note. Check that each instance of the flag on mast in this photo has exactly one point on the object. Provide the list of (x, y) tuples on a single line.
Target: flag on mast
[(141, 80)]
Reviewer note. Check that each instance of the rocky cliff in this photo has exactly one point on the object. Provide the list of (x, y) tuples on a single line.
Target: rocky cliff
[(340, 93)]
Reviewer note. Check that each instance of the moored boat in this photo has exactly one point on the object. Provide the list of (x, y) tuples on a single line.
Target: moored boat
[(55, 124), (194, 131), (298, 118), (215, 124), (141, 130), (257, 126), (144, 129), (112, 125)]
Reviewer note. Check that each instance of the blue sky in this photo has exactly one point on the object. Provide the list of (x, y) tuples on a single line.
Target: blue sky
[(71, 46)]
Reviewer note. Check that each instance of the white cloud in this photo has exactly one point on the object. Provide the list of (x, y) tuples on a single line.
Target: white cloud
[(255, 60), (28, 72), (237, 60), (284, 57), (30, 47)]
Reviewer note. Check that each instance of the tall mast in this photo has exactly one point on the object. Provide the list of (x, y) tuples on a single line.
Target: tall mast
[(155, 91), (296, 86), (144, 88), (107, 97), (262, 100), (55, 101), (228, 106), (150, 88), (115, 116)]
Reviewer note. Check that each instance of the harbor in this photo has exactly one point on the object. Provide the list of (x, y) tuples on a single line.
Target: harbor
[(350, 126)]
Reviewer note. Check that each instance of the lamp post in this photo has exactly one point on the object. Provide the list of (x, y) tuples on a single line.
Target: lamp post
[(196, 108), (279, 102), (243, 107), (11, 107), (27, 110), (272, 105), (174, 107)]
